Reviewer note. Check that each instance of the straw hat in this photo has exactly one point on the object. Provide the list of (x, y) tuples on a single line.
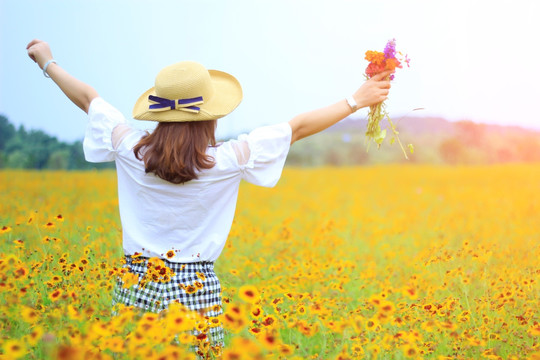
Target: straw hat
[(186, 91)]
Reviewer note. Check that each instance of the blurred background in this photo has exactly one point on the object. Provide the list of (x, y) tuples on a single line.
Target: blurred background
[(472, 74)]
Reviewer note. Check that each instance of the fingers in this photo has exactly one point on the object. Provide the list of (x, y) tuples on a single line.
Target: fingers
[(32, 43), (31, 49), (31, 52), (382, 75)]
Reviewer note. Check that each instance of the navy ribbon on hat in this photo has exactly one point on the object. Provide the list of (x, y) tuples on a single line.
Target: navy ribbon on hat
[(163, 104)]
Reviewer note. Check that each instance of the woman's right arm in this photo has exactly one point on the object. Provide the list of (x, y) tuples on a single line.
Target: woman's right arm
[(373, 91)]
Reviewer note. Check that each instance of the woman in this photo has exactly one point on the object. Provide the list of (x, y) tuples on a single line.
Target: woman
[(177, 189)]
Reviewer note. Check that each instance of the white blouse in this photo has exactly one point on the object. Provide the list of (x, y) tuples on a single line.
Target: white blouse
[(191, 219)]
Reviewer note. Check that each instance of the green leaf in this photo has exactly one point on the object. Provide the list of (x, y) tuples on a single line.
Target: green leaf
[(411, 148), (379, 138)]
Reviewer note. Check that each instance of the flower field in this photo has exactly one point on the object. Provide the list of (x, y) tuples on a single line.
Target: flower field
[(385, 262)]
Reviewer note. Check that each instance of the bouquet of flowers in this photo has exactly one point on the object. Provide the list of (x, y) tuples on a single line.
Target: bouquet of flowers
[(379, 62)]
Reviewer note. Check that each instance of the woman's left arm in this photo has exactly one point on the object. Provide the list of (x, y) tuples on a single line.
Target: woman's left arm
[(78, 92)]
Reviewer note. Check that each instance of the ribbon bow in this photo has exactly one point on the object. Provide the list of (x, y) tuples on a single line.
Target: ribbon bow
[(163, 104)]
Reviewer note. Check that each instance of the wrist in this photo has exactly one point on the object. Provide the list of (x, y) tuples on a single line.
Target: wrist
[(46, 65), (352, 103)]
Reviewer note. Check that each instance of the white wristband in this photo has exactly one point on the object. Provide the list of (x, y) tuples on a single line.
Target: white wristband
[(352, 103), (46, 66)]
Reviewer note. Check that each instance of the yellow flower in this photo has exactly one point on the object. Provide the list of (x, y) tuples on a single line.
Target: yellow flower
[(372, 325), (535, 330), (387, 307), (129, 279), (30, 219), (14, 349), (20, 272), (286, 350), (410, 351), (201, 276), (411, 292), (214, 321), (190, 289), (269, 321), (249, 293), (269, 340), (5, 229), (35, 335), (29, 314), (256, 311), (19, 244), (49, 225), (55, 295)]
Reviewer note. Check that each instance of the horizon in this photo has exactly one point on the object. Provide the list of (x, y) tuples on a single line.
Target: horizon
[(347, 120)]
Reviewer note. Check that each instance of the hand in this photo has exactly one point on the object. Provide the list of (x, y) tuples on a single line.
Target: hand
[(39, 51), (374, 90)]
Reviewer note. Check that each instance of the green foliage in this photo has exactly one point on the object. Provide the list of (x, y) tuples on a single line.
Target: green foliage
[(34, 149), (7, 131), (430, 141)]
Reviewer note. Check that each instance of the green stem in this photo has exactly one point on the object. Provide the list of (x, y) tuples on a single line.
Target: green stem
[(397, 137)]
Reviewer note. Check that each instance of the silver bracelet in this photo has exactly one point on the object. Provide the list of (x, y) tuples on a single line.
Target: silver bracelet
[(46, 66), (352, 103)]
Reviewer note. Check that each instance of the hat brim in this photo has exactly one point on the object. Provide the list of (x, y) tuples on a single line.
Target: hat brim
[(227, 96)]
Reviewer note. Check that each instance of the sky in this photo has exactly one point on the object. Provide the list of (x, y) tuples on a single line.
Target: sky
[(470, 60)]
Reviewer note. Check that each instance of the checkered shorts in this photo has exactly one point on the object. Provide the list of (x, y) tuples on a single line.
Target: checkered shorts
[(195, 285)]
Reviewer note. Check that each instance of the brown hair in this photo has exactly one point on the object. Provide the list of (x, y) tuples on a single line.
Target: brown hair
[(176, 150)]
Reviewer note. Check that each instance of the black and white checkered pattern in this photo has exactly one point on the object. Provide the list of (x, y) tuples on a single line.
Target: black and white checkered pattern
[(156, 296)]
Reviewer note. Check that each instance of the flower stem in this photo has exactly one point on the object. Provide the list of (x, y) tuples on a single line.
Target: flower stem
[(397, 137)]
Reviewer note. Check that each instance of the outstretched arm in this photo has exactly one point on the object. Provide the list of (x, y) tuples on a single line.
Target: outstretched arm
[(79, 93), (373, 91)]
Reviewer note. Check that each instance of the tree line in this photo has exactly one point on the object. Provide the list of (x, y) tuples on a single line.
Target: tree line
[(435, 142), (34, 149)]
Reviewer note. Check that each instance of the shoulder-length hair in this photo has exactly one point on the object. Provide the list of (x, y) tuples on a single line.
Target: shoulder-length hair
[(175, 151)]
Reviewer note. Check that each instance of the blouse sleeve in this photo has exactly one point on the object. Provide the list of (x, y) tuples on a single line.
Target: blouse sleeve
[(268, 149), (102, 119)]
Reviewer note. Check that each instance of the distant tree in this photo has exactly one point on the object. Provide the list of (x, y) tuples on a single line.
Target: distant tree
[(76, 156), (59, 160), (333, 157), (7, 131), (17, 160), (358, 154), (504, 155), (453, 151), (39, 147), (469, 133), (528, 149)]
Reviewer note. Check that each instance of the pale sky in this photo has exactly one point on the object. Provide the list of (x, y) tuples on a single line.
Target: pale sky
[(474, 60)]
